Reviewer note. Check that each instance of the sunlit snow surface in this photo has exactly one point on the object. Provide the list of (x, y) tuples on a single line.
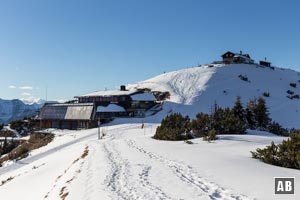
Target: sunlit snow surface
[(128, 164)]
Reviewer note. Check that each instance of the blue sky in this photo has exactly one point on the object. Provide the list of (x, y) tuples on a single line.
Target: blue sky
[(73, 47)]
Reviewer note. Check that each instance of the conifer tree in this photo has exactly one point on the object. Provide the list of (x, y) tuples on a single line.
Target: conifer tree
[(173, 127), (232, 124), (250, 113), (201, 124), (216, 119), (238, 109), (262, 114)]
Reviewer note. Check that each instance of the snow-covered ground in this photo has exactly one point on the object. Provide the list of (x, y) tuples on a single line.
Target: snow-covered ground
[(128, 164)]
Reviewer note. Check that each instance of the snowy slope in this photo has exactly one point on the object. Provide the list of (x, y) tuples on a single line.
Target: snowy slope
[(128, 164), (195, 89)]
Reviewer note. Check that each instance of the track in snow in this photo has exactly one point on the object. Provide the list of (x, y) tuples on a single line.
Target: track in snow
[(186, 174), (125, 185)]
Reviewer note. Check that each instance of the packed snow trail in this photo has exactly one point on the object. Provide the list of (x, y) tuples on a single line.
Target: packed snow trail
[(120, 181), (126, 183), (127, 164)]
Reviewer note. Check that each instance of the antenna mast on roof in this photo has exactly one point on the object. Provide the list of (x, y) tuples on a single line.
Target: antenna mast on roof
[(46, 93)]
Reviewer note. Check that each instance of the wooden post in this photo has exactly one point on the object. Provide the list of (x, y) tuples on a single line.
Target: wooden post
[(99, 123)]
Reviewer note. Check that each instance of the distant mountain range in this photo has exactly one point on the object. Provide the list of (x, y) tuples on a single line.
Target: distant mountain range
[(11, 110)]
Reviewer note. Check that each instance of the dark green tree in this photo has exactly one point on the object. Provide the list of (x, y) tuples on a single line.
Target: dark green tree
[(262, 114), (173, 127), (238, 109), (232, 124), (286, 154), (217, 119), (201, 124), (250, 113)]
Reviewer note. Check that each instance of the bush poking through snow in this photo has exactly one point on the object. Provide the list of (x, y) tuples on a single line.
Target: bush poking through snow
[(211, 136), (294, 85), (286, 154), (244, 78), (277, 129), (173, 127), (290, 92), (266, 94), (188, 142)]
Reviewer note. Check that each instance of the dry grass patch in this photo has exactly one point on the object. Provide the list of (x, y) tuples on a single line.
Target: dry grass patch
[(7, 180), (63, 193), (35, 141)]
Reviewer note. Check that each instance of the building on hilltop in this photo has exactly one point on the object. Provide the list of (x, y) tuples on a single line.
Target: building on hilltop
[(265, 63), (236, 58), (98, 106)]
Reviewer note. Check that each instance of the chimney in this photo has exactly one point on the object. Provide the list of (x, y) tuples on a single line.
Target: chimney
[(241, 52), (123, 88)]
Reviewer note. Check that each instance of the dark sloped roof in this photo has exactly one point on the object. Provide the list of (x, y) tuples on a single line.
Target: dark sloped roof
[(53, 112), (67, 111), (236, 54), (228, 52)]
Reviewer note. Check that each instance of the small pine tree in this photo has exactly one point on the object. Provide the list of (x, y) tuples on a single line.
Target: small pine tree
[(250, 120), (262, 114), (251, 113), (238, 109), (232, 124), (201, 124), (217, 118), (173, 127), (211, 135)]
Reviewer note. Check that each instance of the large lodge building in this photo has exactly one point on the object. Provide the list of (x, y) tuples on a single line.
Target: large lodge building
[(98, 106)]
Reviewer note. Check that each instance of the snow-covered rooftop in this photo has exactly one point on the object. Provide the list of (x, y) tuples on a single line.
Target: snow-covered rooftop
[(242, 56), (108, 93), (111, 108), (143, 97)]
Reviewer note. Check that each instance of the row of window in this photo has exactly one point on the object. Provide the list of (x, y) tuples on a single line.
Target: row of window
[(101, 99)]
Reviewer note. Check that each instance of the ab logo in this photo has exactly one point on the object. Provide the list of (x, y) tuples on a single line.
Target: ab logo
[(284, 185)]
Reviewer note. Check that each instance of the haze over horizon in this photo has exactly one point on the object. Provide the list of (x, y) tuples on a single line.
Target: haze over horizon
[(74, 47)]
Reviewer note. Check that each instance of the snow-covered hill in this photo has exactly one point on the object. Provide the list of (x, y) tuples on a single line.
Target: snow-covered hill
[(129, 164), (196, 89), (11, 110)]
